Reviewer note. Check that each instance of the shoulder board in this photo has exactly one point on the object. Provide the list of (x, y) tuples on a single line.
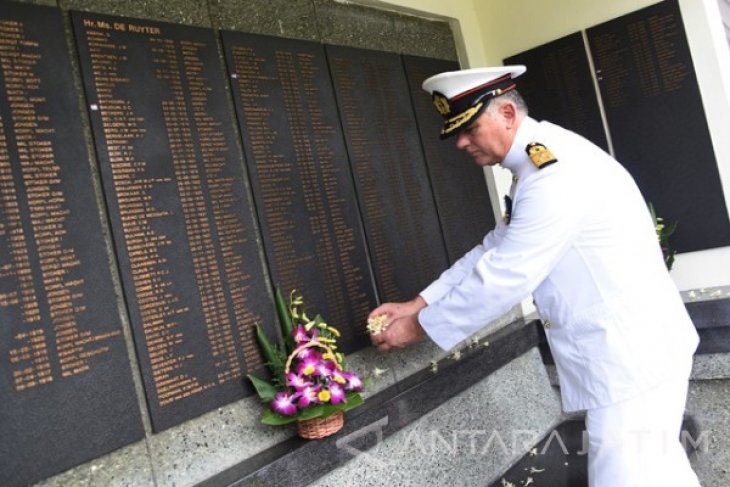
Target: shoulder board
[(540, 155)]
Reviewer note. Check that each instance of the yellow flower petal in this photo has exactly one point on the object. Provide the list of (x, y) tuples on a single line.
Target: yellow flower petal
[(324, 395)]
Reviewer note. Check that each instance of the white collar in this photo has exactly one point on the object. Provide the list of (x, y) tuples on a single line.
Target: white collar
[(516, 159)]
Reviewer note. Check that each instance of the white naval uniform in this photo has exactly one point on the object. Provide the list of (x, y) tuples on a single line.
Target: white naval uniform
[(582, 242)]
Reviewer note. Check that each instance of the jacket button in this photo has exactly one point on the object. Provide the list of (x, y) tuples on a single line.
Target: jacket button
[(546, 324)]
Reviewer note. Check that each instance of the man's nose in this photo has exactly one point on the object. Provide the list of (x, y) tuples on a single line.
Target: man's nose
[(462, 141)]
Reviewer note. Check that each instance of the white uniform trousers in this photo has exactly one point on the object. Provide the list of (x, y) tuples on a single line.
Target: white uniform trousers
[(636, 443)]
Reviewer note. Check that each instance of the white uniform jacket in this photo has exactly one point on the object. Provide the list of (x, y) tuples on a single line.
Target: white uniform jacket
[(581, 240)]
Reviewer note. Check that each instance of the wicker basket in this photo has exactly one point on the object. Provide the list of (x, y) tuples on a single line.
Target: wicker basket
[(316, 428)]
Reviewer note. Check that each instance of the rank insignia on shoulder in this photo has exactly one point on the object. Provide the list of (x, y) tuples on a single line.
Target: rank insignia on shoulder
[(539, 155)]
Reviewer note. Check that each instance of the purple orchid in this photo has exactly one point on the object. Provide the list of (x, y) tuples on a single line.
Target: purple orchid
[(308, 395), (296, 381), (300, 334), (353, 382), (283, 404), (307, 367), (339, 377), (325, 369), (309, 353), (337, 394)]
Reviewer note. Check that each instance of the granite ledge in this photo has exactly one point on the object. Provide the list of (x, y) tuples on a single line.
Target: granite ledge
[(297, 462)]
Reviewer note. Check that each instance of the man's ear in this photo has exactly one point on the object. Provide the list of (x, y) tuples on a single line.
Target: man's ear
[(509, 113)]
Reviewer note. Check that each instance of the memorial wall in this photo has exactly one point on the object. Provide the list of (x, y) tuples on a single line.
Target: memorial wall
[(227, 163), (653, 109), (64, 367), (157, 180)]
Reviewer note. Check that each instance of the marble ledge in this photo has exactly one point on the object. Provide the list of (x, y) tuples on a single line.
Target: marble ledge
[(706, 294), (298, 462)]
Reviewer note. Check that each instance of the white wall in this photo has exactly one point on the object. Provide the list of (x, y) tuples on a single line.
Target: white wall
[(494, 29)]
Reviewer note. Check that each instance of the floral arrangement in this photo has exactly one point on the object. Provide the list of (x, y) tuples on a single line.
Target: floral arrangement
[(308, 376), (663, 232)]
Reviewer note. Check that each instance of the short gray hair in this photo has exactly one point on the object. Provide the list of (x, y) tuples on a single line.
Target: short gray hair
[(513, 96)]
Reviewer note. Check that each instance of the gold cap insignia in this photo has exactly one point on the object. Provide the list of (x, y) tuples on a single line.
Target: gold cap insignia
[(539, 155), (464, 117), (441, 103)]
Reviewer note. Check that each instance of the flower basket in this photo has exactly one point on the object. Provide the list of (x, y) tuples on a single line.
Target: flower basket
[(316, 428), (309, 383), (321, 427)]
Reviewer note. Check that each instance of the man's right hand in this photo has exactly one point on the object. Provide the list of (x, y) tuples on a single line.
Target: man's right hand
[(403, 328)]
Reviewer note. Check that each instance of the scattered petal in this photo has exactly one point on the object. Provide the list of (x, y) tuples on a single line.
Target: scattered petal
[(378, 372)]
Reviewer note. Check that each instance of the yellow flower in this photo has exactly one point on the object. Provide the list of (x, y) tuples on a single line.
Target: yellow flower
[(328, 356), (308, 370), (324, 395)]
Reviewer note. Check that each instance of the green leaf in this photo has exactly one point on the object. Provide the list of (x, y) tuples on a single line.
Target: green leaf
[(274, 356), (266, 348), (354, 399), (265, 391), (275, 419), (284, 317), (318, 411), (669, 229)]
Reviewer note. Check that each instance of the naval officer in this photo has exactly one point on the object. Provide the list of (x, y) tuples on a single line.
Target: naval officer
[(577, 235)]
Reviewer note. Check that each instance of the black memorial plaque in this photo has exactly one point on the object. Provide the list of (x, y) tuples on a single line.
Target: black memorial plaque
[(181, 222), (558, 87), (301, 178), (66, 389), (458, 184), (401, 224), (657, 122)]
